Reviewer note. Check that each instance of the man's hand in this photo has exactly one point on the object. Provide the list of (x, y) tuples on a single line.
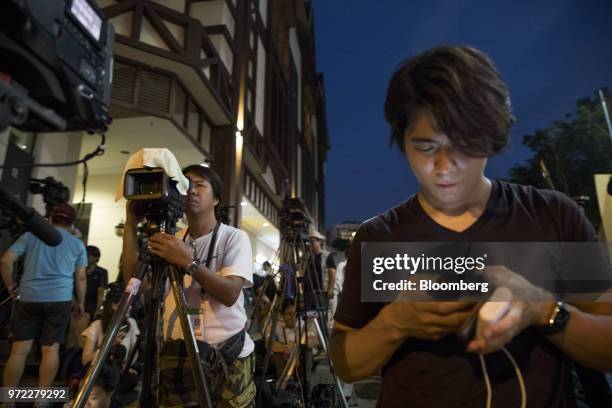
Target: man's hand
[(132, 217), (11, 290), (426, 320), (171, 249), (532, 306), (119, 338), (78, 309)]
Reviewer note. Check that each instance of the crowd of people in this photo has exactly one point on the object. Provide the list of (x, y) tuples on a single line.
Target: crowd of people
[(65, 303)]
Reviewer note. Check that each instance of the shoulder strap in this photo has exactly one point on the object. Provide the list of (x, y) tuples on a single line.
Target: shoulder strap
[(211, 247), (213, 240)]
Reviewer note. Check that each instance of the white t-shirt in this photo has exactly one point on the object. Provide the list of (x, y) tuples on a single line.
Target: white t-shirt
[(212, 321), (94, 333)]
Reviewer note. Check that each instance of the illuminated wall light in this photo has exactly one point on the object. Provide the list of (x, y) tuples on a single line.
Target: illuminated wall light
[(265, 224), (239, 145), (243, 203)]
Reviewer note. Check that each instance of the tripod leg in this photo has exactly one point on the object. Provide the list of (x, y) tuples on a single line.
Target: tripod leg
[(323, 341), (258, 304), (96, 366), (189, 337), (289, 369), (150, 376), (274, 320)]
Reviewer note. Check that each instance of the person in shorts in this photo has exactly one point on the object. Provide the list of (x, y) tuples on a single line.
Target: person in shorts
[(42, 310)]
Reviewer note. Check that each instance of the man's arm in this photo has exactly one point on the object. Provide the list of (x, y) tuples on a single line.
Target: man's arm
[(588, 335), (99, 297), (101, 288), (225, 289), (129, 256), (361, 353), (331, 282), (586, 338), (330, 264), (6, 268), (81, 287)]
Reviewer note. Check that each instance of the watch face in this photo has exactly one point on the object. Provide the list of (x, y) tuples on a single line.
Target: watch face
[(562, 317)]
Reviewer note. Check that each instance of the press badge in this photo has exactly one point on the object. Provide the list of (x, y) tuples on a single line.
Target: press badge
[(196, 316)]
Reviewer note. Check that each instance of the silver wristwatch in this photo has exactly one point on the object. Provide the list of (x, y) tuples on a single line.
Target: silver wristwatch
[(192, 267)]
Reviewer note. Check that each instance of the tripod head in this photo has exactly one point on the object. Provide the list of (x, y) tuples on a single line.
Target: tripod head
[(294, 220)]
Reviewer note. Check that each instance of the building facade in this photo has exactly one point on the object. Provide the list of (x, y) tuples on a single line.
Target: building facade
[(345, 230), (231, 84)]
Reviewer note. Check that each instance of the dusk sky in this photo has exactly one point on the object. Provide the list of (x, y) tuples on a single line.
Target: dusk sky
[(550, 53)]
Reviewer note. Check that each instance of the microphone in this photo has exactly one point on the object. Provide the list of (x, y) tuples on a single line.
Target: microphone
[(32, 221)]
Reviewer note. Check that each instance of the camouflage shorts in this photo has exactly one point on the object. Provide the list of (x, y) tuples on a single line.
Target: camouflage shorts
[(238, 392)]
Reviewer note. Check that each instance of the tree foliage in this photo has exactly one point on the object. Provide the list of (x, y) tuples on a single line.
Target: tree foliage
[(573, 149)]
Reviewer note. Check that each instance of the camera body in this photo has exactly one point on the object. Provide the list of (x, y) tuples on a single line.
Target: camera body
[(54, 192), (156, 197), (294, 220), (60, 55)]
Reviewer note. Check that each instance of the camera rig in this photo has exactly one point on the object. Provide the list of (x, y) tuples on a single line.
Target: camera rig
[(156, 197), (55, 66)]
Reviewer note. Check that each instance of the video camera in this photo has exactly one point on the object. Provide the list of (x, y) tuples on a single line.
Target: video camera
[(293, 219), (156, 197), (54, 192), (55, 66)]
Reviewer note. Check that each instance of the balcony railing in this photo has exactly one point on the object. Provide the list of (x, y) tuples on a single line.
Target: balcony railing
[(178, 38)]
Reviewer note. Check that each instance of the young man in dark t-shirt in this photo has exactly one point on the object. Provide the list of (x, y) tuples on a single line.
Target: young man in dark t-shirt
[(97, 281), (449, 111)]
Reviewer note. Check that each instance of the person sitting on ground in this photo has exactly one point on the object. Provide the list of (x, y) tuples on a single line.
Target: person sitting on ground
[(123, 344)]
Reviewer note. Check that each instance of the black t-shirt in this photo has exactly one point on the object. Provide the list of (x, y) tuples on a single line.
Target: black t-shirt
[(329, 263), (440, 373), (97, 278)]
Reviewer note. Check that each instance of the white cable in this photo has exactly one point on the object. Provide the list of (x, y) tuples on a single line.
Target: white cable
[(519, 377), (486, 378)]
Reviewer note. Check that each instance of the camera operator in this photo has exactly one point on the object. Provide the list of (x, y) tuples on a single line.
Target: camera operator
[(214, 296), (42, 312), (449, 111)]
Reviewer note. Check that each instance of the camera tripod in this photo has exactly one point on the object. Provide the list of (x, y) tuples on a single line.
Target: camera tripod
[(150, 383), (295, 257)]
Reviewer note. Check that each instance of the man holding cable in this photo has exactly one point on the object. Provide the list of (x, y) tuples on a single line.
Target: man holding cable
[(449, 111)]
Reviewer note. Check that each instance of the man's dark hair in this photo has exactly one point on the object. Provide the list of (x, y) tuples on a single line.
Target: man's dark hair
[(463, 91), (207, 174), (93, 251)]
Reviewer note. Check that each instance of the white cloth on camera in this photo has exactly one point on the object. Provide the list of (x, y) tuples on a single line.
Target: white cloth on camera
[(155, 157)]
